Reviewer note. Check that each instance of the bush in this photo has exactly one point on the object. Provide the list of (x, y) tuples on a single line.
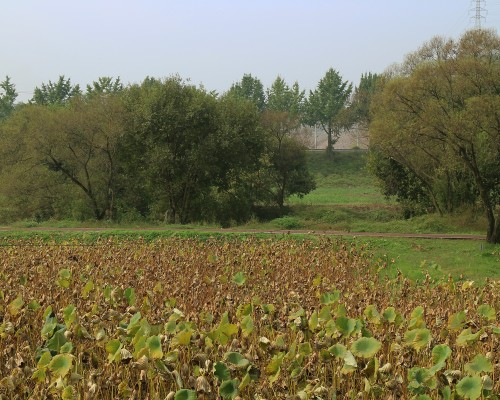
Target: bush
[(288, 222)]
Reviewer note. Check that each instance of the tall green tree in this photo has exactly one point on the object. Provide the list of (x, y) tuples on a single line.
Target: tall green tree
[(362, 98), (104, 85), (327, 106), (249, 88), (287, 167), (441, 112), (8, 96), (173, 128), (55, 93)]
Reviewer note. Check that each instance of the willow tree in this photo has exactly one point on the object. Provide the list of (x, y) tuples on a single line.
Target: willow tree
[(74, 144), (441, 111)]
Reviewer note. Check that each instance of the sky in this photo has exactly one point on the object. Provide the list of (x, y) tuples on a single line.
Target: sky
[(215, 42)]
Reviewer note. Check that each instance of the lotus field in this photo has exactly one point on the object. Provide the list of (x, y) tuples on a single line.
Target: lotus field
[(184, 318)]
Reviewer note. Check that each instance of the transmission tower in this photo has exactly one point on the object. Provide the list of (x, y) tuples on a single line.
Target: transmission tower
[(479, 12)]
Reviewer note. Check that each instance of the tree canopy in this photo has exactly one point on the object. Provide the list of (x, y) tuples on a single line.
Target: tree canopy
[(438, 115), (327, 106), (163, 149), (8, 97)]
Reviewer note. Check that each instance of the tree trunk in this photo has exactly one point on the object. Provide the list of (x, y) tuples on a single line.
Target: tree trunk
[(493, 231), (329, 146)]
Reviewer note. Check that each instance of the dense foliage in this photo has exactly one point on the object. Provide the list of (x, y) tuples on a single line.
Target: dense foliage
[(163, 149), (260, 319), (437, 119)]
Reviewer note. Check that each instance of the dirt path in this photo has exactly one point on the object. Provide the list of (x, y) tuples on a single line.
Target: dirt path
[(260, 231)]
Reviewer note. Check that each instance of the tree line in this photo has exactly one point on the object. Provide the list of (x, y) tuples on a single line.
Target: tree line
[(160, 149), (165, 149)]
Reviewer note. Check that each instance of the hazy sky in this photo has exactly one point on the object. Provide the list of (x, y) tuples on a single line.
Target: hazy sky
[(215, 42)]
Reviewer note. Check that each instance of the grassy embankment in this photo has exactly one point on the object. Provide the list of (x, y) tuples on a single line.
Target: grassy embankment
[(347, 199)]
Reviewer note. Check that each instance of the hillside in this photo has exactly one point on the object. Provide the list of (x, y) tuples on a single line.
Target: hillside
[(347, 198)]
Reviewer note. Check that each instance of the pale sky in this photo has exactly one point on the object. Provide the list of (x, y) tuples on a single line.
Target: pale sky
[(215, 42)]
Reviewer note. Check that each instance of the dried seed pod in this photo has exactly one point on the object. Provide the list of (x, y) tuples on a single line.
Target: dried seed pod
[(126, 356), (386, 368), (202, 385), (170, 396), (142, 363)]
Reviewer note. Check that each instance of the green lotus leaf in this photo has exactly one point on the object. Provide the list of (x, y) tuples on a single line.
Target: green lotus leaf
[(479, 364), (153, 343), (57, 340), (64, 273), (487, 312), (244, 310), (15, 305), (325, 314), (348, 369), (421, 379), (372, 315), (437, 367), (89, 286), (64, 278), (182, 338), (268, 308), (69, 393), (440, 353), (299, 313), (69, 315), (446, 393), (34, 305), (349, 359), (305, 349), (39, 375), (469, 387), (239, 278), (345, 325), (389, 314), (466, 337), (313, 321), (247, 325), (113, 348), (418, 338), (365, 347), (48, 328), (221, 371), (228, 390), (66, 348), (129, 294), (417, 319), (185, 394), (457, 321), (44, 360), (338, 350), (418, 312), (61, 364), (275, 363), (140, 347), (134, 323), (237, 360), (330, 298)]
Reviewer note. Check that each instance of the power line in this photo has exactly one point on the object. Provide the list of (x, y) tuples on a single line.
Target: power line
[(478, 11)]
